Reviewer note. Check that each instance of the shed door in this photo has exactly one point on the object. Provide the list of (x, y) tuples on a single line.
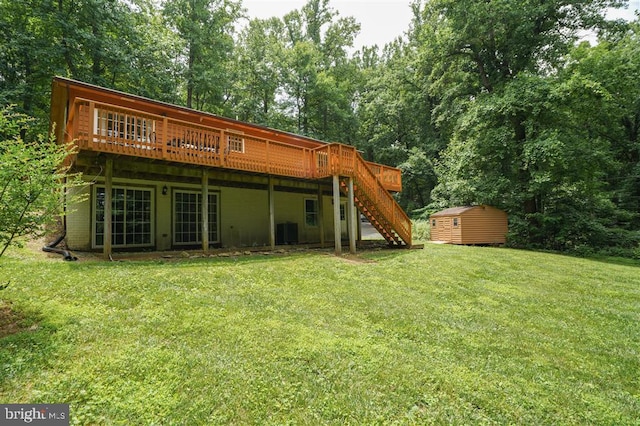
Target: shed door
[(446, 229)]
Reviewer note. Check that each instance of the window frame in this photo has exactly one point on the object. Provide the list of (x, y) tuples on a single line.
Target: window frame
[(125, 223), (198, 230), (235, 143), (120, 125), (314, 214)]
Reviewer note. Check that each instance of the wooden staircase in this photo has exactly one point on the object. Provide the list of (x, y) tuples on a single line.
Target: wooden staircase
[(371, 197), (211, 141)]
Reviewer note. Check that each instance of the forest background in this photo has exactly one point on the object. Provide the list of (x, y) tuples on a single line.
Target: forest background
[(531, 106)]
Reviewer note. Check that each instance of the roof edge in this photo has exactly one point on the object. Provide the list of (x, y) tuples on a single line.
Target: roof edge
[(66, 80), (456, 210)]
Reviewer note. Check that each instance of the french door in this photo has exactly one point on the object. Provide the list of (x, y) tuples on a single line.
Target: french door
[(187, 218), (131, 217)]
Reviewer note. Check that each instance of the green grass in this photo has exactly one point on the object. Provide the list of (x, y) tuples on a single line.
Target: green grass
[(460, 335)]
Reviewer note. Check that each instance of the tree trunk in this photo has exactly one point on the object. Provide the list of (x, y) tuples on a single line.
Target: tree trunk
[(192, 60)]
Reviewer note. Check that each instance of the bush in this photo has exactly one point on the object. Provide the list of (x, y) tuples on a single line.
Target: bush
[(421, 230), (33, 180)]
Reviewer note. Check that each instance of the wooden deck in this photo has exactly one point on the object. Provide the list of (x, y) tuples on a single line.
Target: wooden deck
[(94, 124)]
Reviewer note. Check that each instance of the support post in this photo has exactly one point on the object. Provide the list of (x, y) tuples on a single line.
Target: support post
[(205, 210), (351, 223), (321, 215), (161, 143), (223, 147), (337, 231), (91, 130), (272, 215), (108, 208)]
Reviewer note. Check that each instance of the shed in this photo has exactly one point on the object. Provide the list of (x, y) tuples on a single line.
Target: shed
[(469, 225)]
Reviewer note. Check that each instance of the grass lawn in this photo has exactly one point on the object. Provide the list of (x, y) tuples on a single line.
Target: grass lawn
[(448, 334)]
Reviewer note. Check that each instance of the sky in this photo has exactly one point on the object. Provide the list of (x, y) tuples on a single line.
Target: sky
[(381, 21)]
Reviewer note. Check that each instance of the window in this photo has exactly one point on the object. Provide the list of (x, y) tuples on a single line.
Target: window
[(311, 212), (123, 126), (322, 160), (455, 222), (130, 219), (343, 212), (236, 143), (433, 222), (187, 223)]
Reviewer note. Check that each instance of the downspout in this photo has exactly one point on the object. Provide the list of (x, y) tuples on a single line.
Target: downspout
[(51, 248)]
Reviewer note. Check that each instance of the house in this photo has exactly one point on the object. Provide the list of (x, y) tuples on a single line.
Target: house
[(156, 170), (469, 225)]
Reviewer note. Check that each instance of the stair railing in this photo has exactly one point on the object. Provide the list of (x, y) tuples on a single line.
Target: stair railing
[(343, 160)]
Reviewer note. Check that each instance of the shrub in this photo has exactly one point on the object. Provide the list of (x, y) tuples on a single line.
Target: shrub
[(421, 230), (33, 180)]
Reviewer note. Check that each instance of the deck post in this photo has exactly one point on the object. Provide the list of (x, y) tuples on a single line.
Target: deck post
[(351, 223), (222, 147), (205, 210), (108, 208), (337, 231), (321, 214), (272, 216), (91, 130), (162, 145)]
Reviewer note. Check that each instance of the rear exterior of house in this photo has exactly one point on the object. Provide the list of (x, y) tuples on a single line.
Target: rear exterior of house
[(155, 170), (469, 225)]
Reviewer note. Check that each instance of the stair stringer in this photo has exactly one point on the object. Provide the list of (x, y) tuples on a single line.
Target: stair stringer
[(378, 206)]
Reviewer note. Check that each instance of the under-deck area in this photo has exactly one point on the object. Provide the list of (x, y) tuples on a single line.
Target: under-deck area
[(124, 137)]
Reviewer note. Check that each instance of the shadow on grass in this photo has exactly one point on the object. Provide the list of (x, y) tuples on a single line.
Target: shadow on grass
[(237, 258), (185, 262), (621, 261), (27, 345), (610, 260)]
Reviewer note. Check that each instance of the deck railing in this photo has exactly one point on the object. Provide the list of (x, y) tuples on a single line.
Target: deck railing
[(115, 129), (344, 160), (111, 128)]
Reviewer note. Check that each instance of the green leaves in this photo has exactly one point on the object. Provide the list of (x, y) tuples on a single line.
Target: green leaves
[(481, 102), (206, 28), (33, 186), (527, 132)]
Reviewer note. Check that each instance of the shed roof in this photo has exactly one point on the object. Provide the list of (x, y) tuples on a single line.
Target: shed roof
[(454, 211)]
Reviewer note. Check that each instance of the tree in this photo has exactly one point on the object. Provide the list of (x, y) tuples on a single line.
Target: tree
[(28, 55), (613, 64), (205, 27), (257, 72), (113, 43), (560, 164), (523, 136), (34, 184), (395, 111), (317, 74), (149, 64)]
